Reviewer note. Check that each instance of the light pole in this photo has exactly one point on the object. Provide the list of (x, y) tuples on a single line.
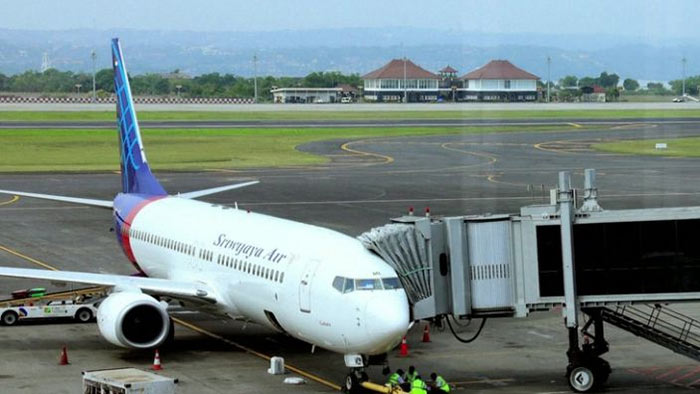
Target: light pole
[(683, 61), (255, 76), (77, 87), (405, 90), (549, 64), (178, 87), (93, 55)]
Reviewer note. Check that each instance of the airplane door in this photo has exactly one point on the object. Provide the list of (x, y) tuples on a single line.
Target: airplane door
[(305, 286)]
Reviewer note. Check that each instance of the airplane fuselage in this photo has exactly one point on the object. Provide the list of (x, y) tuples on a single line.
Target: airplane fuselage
[(313, 283)]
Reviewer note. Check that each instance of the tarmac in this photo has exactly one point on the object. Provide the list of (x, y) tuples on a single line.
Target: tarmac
[(366, 183)]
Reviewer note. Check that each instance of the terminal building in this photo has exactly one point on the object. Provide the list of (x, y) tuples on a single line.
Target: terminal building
[(401, 80), (498, 80)]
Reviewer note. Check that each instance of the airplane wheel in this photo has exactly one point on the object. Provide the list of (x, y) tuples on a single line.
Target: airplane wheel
[(582, 379), (352, 385), (9, 318)]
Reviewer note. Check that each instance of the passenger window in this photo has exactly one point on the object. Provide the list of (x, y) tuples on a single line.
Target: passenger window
[(391, 283), (338, 283), (282, 277)]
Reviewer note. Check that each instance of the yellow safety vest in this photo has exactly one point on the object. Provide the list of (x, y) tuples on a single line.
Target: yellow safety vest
[(418, 387), (442, 384), (410, 377), (394, 379)]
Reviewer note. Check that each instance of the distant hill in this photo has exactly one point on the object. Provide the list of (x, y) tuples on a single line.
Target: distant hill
[(297, 53)]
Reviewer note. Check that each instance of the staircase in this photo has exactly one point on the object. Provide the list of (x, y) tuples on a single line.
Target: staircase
[(658, 324)]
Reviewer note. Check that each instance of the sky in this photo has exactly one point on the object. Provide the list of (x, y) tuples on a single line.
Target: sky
[(650, 20)]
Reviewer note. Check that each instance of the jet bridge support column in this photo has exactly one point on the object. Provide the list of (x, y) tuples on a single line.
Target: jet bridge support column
[(586, 370), (566, 215)]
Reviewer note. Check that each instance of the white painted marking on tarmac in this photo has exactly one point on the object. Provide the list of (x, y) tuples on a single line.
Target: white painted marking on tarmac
[(538, 334)]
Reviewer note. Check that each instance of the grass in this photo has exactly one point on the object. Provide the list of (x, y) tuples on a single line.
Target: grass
[(346, 115), (36, 150), (677, 147)]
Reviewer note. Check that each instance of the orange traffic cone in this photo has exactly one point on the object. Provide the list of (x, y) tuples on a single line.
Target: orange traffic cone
[(403, 349), (63, 358), (426, 333), (156, 362)]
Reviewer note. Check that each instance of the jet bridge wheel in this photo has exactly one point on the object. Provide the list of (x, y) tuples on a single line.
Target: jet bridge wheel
[(588, 375)]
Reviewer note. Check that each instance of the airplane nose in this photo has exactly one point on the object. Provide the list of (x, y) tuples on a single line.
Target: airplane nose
[(387, 319)]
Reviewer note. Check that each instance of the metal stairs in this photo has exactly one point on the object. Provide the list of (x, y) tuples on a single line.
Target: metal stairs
[(664, 326)]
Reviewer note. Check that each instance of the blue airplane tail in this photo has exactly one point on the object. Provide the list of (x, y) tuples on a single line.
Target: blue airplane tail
[(136, 175)]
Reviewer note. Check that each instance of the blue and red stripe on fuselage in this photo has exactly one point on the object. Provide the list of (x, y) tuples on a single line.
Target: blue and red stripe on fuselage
[(126, 207)]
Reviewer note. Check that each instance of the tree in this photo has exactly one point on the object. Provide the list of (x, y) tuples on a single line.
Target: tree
[(612, 93), (691, 85), (608, 80), (568, 81), (587, 81), (104, 79), (3, 82), (657, 88), (630, 84)]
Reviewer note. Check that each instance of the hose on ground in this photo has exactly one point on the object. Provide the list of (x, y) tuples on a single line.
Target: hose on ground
[(449, 324)]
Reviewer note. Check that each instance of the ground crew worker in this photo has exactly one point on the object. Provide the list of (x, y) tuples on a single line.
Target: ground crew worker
[(411, 375), (440, 383), (418, 386), (394, 379)]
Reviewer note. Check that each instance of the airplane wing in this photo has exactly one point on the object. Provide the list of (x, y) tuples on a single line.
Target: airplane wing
[(164, 287), (206, 192), (74, 200)]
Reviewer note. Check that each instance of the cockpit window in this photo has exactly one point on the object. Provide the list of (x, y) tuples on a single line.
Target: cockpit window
[(368, 284), (338, 283), (391, 283), (349, 285)]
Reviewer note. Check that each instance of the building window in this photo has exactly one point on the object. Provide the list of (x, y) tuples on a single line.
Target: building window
[(506, 84)]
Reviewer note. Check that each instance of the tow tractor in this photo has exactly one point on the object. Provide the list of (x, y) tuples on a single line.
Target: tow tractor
[(80, 305)]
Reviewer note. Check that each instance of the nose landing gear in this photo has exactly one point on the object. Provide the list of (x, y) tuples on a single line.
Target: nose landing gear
[(357, 364), (354, 379)]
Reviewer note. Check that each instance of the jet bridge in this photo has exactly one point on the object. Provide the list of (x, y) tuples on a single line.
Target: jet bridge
[(615, 266)]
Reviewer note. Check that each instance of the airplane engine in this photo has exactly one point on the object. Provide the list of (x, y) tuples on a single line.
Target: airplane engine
[(134, 320)]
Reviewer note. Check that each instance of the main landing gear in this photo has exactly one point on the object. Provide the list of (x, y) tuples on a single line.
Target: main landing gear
[(586, 371)]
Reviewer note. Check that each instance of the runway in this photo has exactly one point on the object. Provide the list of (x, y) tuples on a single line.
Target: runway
[(364, 185), (229, 124)]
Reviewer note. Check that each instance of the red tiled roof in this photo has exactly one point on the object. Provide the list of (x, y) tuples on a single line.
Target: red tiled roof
[(448, 70), (499, 69), (395, 69)]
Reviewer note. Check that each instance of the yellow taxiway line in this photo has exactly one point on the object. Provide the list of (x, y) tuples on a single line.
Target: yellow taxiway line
[(199, 329), (346, 147), (12, 200)]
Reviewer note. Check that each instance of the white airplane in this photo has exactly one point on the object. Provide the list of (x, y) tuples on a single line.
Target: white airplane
[(312, 283)]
